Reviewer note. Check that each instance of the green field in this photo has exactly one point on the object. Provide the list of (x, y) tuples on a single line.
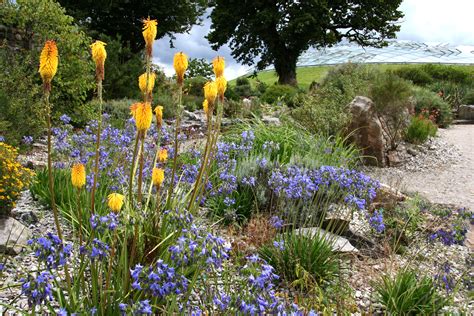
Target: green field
[(306, 75)]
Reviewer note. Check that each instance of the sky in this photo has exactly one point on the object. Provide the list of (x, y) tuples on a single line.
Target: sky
[(442, 21)]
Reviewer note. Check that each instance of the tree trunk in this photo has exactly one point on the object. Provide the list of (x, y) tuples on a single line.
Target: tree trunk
[(286, 70)]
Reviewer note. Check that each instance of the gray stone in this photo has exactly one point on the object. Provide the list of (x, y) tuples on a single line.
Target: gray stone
[(466, 112), (13, 236), (339, 244), (367, 131), (269, 120)]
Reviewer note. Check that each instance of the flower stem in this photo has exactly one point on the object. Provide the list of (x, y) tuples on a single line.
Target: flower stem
[(132, 169), (79, 215), (140, 169), (97, 145), (176, 147)]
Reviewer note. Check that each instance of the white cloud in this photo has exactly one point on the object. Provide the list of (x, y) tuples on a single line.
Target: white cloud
[(438, 21), (425, 21)]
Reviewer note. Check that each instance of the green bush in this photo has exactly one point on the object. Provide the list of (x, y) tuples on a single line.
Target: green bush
[(118, 111), (469, 97), (415, 74), (391, 96), (408, 294), (455, 74), (19, 78), (194, 86), (299, 252), (426, 100), (276, 93), (420, 129), (324, 109)]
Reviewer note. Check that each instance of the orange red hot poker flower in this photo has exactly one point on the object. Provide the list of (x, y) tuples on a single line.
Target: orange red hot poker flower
[(48, 63)]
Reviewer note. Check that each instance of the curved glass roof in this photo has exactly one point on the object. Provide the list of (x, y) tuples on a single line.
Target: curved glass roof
[(395, 52)]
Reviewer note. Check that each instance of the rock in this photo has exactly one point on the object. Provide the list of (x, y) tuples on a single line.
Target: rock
[(339, 244), (28, 217), (13, 236), (367, 131), (466, 112), (412, 151), (271, 120), (394, 158), (388, 195)]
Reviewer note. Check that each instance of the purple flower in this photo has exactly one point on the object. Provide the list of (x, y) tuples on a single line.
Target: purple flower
[(276, 222), (50, 250), (65, 119), (38, 290), (376, 221), (28, 140)]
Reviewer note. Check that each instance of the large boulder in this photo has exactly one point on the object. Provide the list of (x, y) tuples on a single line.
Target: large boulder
[(338, 243), (466, 112), (367, 132)]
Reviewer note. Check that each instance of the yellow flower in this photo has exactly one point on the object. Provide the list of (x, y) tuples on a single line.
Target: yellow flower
[(218, 64), (99, 55), (221, 83), (115, 201), (143, 115), (78, 175), (210, 92), (48, 63), (149, 34), (180, 64), (151, 82), (163, 155), (205, 107), (158, 176), (159, 115)]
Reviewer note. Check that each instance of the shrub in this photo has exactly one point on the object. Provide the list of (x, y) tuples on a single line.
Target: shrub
[(455, 74), (324, 110), (13, 178), (408, 294), (469, 97), (415, 74), (74, 81), (194, 86), (420, 129), (426, 100), (243, 88), (118, 111), (291, 252), (391, 96), (276, 93)]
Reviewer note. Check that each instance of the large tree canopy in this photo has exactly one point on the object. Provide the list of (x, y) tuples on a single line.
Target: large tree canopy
[(276, 32), (124, 17)]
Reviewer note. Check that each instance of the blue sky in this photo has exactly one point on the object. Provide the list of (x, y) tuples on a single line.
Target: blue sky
[(425, 20)]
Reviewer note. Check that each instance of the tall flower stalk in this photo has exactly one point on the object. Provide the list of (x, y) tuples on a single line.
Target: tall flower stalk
[(99, 55), (180, 64)]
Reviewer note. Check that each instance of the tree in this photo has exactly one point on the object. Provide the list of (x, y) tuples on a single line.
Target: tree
[(123, 18), (199, 67), (276, 32)]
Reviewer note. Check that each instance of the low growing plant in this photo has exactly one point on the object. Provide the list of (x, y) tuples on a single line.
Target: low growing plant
[(420, 129)]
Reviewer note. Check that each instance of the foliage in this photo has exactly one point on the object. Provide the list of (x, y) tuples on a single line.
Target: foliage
[(118, 111), (437, 108), (454, 74), (324, 110), (199, 67), (415, 74), (74, 80), (407, 294), (278, 33), (279, 93), (420, 129), (243, 109), (195, 85), (469, 97), (125, 17), (291, 253), (13, 177), (391, 96)]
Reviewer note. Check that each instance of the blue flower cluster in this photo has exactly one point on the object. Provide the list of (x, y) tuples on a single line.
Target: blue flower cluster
[(444, 278), (37, 289), (298, 183), (376, 221), (106, 222), (97, 250), (50, 250), (159, 280)]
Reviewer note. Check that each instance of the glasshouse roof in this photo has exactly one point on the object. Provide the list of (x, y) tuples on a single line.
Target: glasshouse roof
[(395, 52)]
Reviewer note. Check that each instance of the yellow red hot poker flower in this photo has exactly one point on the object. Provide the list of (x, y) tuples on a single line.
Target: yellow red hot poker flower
[(78, 175), (221, 83), (162, 155), (99, 54), (142, 83), (143, 115), (149, 34), (115, 201), (159, 116), (180, 64), (158, 176), (210, 93), (48, 63), (218, 65)]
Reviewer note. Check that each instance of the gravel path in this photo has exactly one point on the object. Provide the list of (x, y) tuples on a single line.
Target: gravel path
[(449, 182)]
